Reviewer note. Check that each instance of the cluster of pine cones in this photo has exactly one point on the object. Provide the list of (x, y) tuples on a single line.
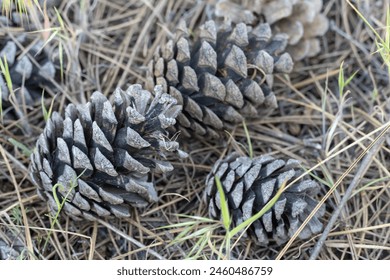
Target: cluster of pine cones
[(99, 159)]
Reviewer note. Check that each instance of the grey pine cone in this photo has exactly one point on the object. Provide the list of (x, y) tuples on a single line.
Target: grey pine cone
[(222, 76), (11, 246), (15, 18), (30, 72), (301, 20), (249, 184), (101, 155)]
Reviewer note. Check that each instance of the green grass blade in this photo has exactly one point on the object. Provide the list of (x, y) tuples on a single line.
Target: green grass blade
[(5, 70), (6, 8), (224, 249), (55, 196), (198, 247), (181, 237), (193, 221), (366, 21), (341, 80), (178, 225), (198, 218), (51, 37), (60, 204), (224, 206), (373, 182), (26, 151), (199, 232), (248, 138), (383, 45), (1, 105), (351, 78), (202, 246), (60, 20), (38, 6), (45, 112)]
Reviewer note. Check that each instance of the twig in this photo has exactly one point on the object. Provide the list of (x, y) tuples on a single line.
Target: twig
[(93, 241), (365, 164), (132, 240), (288, 138)]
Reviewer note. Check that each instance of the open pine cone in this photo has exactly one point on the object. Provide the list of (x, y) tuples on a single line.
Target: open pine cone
[(222, 76), (302, 20), (11, 246), (100, 157), (249, 184), (30, 73)]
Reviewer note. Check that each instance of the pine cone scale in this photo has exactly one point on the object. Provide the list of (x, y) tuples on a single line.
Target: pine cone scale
[(81, 161)]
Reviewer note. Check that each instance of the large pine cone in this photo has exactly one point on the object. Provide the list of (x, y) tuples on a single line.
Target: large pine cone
[(250, 183), (30, 73), (102, 154), (222, 76), (302, 20)]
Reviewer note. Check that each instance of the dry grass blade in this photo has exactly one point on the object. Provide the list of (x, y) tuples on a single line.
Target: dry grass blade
[(132, 240), (369, 154), (376, 144), (21, 205)]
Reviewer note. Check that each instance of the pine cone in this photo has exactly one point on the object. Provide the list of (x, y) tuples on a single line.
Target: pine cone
[(221, 77), (302, 20), (250, 183), (13, 17), (30, 72), (102, 154), (10, 245)]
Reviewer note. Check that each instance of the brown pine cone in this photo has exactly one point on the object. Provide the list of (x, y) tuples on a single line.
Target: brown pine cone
[(301, 20)]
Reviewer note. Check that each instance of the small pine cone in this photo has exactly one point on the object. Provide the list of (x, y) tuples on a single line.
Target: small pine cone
[(301, 20), (10, 245), (102, 154), (222, 76), (29, 71), (7, 252), (249, 184)]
